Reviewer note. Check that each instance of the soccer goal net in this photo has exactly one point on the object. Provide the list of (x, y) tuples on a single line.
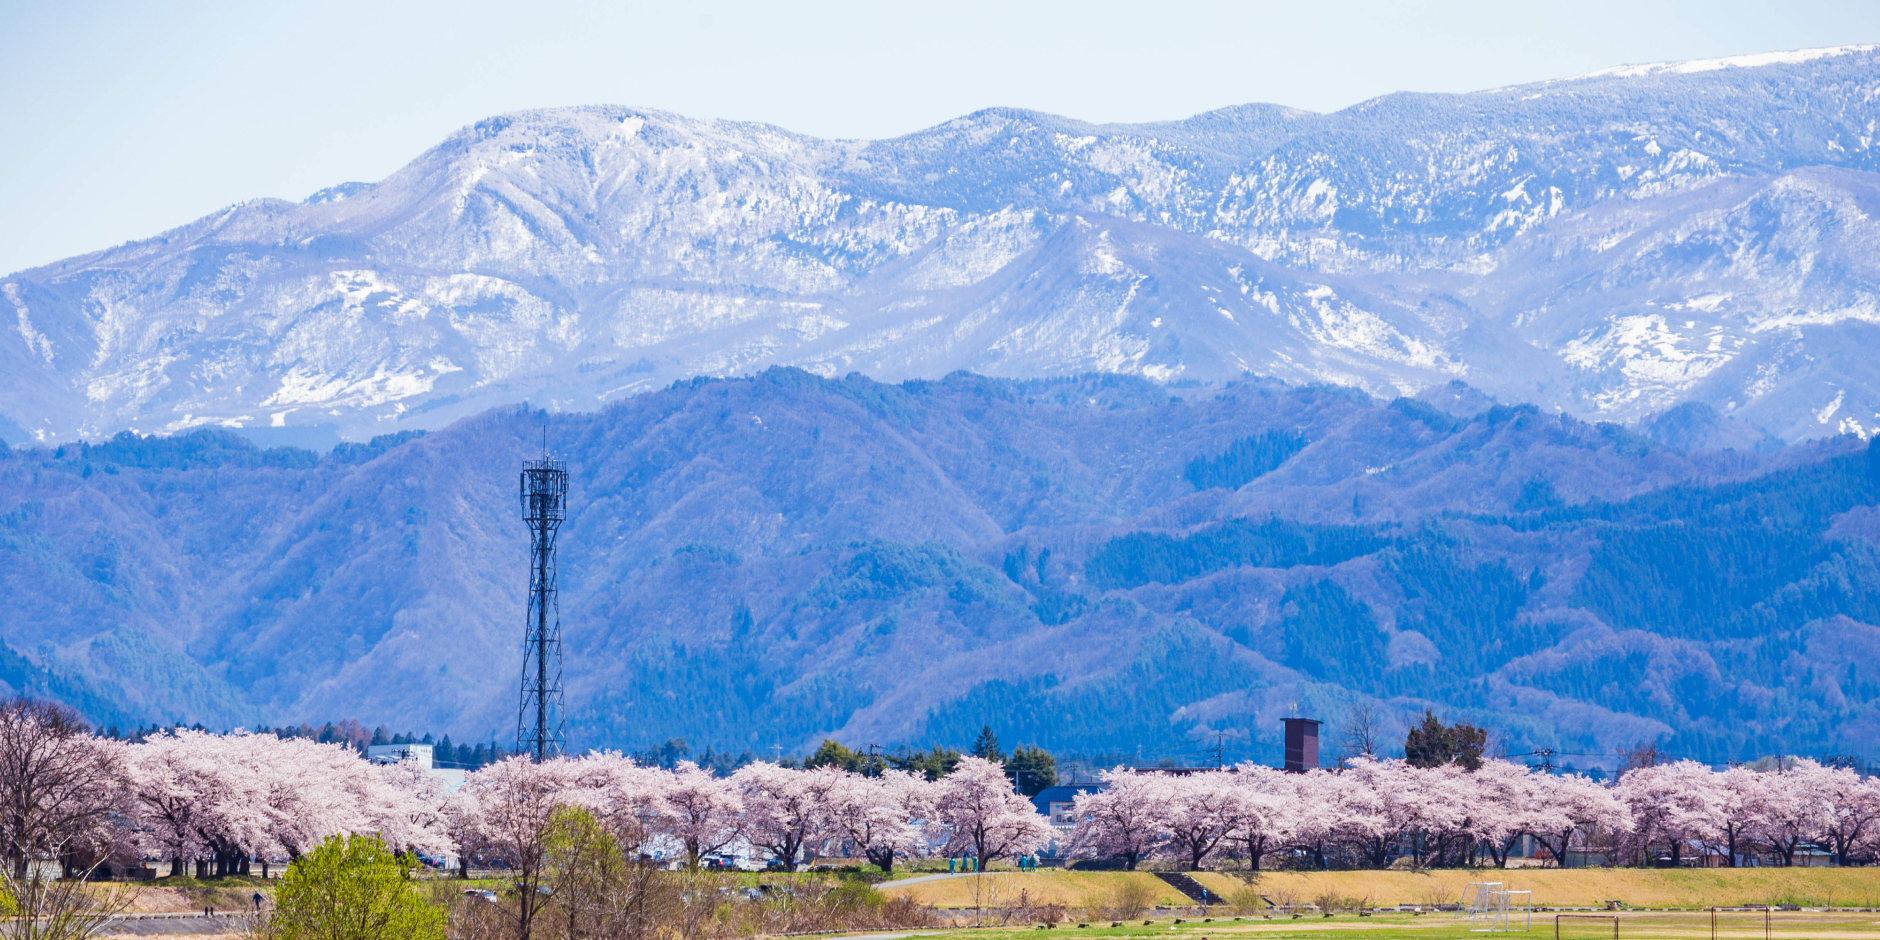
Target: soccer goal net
[(1490, 906)]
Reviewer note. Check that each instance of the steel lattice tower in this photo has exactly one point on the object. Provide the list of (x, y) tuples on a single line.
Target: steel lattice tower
[(540, 727)]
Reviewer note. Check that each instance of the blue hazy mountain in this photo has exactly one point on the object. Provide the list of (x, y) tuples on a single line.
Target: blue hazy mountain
[(1095, 564), (1612, 245)]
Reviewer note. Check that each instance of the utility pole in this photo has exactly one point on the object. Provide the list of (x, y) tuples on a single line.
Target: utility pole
[(540, 725)]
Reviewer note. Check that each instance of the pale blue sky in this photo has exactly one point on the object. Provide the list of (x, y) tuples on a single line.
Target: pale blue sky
[(124, 119)]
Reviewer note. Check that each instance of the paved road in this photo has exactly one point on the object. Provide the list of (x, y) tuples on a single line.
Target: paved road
[(923, 879), (148, 925)]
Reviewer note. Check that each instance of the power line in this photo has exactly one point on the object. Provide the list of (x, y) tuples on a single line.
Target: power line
[(1219, 749)]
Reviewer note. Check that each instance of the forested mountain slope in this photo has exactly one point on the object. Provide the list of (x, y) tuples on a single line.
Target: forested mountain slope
[(1094, 564)]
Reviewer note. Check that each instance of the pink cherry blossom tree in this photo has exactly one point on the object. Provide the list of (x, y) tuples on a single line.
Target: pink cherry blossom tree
[(787, 811), (1202, 812), (1441, 801), (1383, 802), (1126, 820), (1786, 813), (1273, 811), (1849, 810), (1783, 813), (882, 815), (59, 785), (1566, 808), (1321, 812), (170, 791), (702, 812), (1738, 802), (504, 810), (625, 798), (404, 805), (313, 791), (204, 796), (226, 799), (1677, 802), (1498, 800), (983, 816)]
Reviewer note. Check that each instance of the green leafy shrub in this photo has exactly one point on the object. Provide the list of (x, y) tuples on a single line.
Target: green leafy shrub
[(353, 888)]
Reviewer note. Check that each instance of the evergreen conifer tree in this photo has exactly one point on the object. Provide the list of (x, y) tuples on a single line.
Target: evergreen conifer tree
[(1433, 744), (1032, 769), (987, 746)]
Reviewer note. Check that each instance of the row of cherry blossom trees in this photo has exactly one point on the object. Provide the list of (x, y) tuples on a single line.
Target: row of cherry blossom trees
[(224, 802), (189, 797), (1738, 812), (786, 814), (506, 812), (1374, 812), (224, 799), (221, 801)]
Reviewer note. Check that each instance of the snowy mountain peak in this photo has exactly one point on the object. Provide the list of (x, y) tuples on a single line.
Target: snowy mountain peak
[(1755, 60), (1606, 246), (337, 193)]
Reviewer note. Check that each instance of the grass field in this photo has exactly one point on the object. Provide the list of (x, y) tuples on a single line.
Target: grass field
[(1592, 887)]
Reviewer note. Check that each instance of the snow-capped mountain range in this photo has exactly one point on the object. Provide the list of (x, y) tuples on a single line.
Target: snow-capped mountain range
[(1610, 245)]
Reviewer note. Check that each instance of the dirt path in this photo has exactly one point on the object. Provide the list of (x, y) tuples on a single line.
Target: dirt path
[(923, 879)]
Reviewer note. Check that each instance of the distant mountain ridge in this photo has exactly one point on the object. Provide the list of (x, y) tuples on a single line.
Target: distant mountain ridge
[(1612, 245), (1094, 564)]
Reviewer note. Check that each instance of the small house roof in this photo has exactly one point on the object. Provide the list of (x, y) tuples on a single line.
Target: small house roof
[(1064, 794)]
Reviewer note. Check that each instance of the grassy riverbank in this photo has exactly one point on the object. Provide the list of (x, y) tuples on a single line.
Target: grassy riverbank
[(1590, 887)]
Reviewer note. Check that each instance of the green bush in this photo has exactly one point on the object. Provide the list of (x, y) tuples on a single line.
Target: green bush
[(353, 888)]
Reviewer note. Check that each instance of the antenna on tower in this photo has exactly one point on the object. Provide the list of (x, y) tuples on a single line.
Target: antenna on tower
[(540, 725)]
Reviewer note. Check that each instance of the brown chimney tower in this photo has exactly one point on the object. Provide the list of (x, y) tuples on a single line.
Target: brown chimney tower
[(1302, 745)]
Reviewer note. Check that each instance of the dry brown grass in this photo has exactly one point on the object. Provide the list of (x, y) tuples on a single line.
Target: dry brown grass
[(1585, 887), (148, 899), (1072, 889)]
